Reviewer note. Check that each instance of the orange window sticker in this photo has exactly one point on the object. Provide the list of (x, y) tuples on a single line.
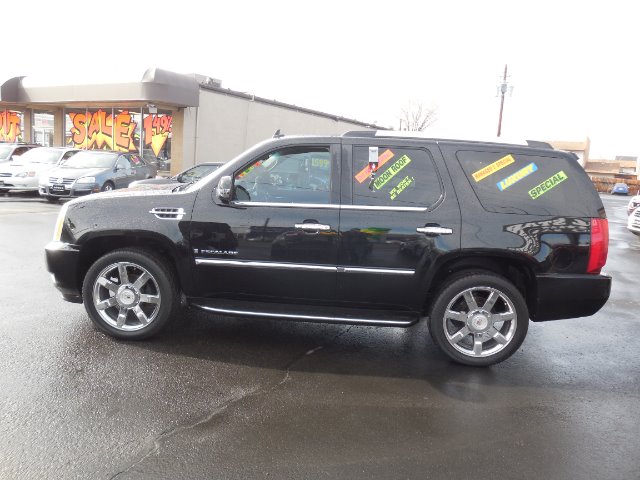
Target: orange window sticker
[(493, 167), (383, 158)]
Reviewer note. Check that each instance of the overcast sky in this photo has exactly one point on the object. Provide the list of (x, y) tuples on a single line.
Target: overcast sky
[(573, 65)]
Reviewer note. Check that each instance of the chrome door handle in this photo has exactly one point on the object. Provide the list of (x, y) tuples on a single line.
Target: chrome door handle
[(312, 227), (435, 230)]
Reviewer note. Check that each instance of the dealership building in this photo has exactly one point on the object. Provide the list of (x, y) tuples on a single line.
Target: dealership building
[(188, 119)]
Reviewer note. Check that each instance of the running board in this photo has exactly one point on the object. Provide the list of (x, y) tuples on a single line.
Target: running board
[(303, 313)]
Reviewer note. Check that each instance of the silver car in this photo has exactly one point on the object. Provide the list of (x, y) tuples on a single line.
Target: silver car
[(94, 171), (24, 172)]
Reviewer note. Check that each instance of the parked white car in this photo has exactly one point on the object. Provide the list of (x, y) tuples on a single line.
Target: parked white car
[(633, 222), (633, 204), (24, 171)]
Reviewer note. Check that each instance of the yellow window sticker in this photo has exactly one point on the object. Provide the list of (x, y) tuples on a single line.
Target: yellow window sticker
[(384, 157), (547, 185), (516, 177), (390, 172), (493, 167), (401, 187)]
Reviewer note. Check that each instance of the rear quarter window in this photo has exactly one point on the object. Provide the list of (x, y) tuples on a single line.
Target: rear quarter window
[(524, 183)]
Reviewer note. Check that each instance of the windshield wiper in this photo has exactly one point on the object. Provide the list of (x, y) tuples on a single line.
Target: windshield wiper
[(182, 186)]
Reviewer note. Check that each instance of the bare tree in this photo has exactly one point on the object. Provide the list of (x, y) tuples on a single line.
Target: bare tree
[(416, 117)]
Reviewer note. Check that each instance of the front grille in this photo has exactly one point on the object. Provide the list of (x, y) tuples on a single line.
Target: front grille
[(2, 174), (65, 181)]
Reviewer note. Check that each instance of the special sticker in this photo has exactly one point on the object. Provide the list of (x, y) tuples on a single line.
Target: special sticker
[(493, 167), (547, 185), (516, 177)]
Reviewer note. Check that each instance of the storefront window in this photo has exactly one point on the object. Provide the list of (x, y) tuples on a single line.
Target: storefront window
[(11, 124), (157, 131), (42, 128), (103, 129)]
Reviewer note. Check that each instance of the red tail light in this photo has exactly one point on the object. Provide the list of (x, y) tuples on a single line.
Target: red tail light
[(599, 245)]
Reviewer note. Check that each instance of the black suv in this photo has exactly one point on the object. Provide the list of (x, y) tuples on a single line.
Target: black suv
[(366, 228)]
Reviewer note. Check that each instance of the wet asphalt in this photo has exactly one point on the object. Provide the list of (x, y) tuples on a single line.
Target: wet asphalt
[(222, 398)]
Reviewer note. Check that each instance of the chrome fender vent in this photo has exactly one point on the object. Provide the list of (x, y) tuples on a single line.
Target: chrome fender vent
[(167, 213)]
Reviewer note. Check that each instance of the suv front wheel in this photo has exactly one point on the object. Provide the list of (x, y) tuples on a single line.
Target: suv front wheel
[(479, 319), (130, 293)]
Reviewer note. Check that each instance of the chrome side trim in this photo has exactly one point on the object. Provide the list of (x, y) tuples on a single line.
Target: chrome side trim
[(388, 271), (333, 206), (384, 208), (300, 266), (256, 264), (287, 205), (309, 318)]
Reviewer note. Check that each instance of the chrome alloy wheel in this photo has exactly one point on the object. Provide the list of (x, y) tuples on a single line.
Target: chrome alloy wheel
[(126, 296), (480, 321)]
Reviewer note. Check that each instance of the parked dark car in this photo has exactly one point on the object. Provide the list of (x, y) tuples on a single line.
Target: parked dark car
[(190, 175), (94, 171), (366, 228), (10, 150)]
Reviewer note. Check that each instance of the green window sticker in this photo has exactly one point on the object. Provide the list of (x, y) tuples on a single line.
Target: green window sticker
[(547, 185), (390, 172), (398, 189)]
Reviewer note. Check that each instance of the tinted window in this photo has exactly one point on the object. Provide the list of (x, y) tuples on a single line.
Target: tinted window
[(405, 177), (521, 183), (90, 159), (289, 175)]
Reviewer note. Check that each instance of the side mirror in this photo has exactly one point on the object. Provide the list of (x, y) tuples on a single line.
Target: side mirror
[(223, 191)]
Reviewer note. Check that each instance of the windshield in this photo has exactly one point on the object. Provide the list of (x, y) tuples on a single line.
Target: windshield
[(5, 151), (91, 160), (196, 173), (40, 155)]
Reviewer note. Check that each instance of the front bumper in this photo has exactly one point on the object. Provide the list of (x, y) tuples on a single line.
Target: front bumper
[(62, 261), (570, 296), (70, 191), (19, 183)]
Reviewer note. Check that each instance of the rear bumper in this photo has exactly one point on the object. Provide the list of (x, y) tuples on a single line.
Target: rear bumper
[(62, 262), (570, 296)]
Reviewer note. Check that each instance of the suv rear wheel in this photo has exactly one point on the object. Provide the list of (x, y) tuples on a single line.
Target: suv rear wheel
[(479, 319), (130, 293)]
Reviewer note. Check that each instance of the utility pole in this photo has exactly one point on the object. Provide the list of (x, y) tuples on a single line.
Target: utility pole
[(502, 90)]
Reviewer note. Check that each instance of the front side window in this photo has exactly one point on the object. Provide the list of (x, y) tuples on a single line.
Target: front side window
[(123, 163), (404, 177), (289, 175)]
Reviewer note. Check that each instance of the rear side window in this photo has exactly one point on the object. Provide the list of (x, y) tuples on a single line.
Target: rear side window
[(521, 183), (405, 177)]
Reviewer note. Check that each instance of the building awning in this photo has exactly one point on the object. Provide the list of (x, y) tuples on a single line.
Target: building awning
[(157, 86)]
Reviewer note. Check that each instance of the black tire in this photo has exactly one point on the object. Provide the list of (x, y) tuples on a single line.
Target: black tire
[(499, 340), (108, 186), (128, 298), (52, 199)]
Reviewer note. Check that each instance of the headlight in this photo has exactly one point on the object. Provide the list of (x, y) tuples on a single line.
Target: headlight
[(57, 232), (86, 180), (26, 174)]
